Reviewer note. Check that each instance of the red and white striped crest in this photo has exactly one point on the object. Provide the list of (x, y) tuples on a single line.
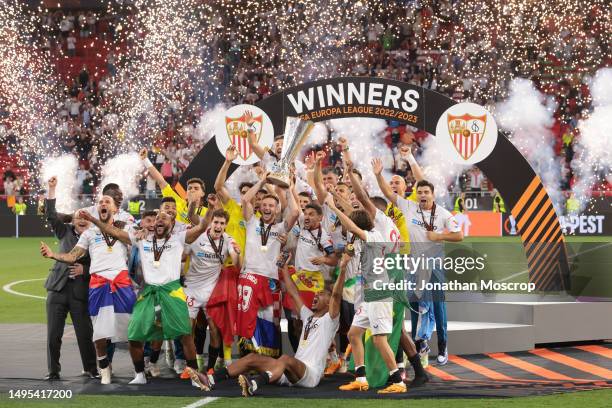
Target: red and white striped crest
[(466, 132), (237, 131)]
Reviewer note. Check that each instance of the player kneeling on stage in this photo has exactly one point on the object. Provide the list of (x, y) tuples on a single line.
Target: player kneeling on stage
[(321, 323), (160, 312)]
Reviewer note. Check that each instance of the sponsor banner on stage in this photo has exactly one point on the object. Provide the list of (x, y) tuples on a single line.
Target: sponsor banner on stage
[(587, 224)]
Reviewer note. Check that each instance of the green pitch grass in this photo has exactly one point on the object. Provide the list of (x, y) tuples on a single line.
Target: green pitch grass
[(21, 261), (585, 399)]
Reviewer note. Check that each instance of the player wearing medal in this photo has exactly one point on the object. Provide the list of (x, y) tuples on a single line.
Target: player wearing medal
[(111, 296), (305, 369), (258, 288), (314, 251), (208, 254), (429, 221), (377, 316), (161, 310)]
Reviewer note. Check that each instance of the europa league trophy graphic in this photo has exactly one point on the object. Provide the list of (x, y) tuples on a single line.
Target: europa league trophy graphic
[(296, 133)]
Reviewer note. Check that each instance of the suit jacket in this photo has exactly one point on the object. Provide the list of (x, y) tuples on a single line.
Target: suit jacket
[(59, 272)]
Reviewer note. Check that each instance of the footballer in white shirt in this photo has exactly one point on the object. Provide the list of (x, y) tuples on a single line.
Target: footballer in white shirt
[(111, 296), (161, 309), (378, 316), (208, 254), (305, 369)]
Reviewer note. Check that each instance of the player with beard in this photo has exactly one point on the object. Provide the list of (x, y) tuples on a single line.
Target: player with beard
[(377, 316), (314, 251), (341, 193), (208, 254), (161, 310), (258, 287), (223, 308), (305, 369), (111, 296)]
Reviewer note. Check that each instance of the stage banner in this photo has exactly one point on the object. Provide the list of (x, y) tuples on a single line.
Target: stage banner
[(468, 135)]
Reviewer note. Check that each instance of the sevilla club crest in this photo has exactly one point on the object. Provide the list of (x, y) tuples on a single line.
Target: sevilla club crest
[(238, 130), (466, 132)]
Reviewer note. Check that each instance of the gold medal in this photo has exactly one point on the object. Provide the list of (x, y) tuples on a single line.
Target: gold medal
[(350, 249), (109, 249), (156, 264), (264, 248)]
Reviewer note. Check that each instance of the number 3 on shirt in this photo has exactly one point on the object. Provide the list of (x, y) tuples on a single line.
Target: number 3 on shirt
[(244, 297)]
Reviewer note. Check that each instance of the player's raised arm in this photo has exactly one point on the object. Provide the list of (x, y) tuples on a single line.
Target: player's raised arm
[(69, 258), (293, 209), (252, 137), (377, 167), (336, 296), (359, 191), (193, 233), (417, 172), (344, 220), (108, 229), (319, 188), (58, 225), (291, 288), (230, 155), (153, 172), (247, 198)]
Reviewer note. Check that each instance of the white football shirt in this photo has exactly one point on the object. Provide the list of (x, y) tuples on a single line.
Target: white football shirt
[(315, 339), (307, 249), (205, 265), (169, 268), (258, 261), (414, 216), (105, 263)]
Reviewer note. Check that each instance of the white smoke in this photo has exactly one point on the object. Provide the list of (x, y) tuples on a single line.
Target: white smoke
[(529, 116), (318, 135), (438, 170), (64, 168), (208, 121), (126, 171), (365, 139), (593, 148)]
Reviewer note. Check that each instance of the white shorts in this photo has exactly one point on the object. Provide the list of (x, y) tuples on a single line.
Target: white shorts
[(310, 379), (197, 298), (376, 316)]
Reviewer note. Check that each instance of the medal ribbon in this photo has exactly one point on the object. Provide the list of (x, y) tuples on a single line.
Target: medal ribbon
[(317, 239), (218, 250), (430, 226), (157, 251), (309, 325), (109, 241), (265, 232)]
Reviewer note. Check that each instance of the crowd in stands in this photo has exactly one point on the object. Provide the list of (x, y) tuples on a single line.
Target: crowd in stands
[(408, 43)]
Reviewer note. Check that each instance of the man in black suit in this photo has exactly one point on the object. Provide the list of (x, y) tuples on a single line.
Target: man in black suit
[(67, 291)]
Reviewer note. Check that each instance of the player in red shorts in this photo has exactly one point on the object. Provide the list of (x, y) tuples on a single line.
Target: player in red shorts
[(258, 287)]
